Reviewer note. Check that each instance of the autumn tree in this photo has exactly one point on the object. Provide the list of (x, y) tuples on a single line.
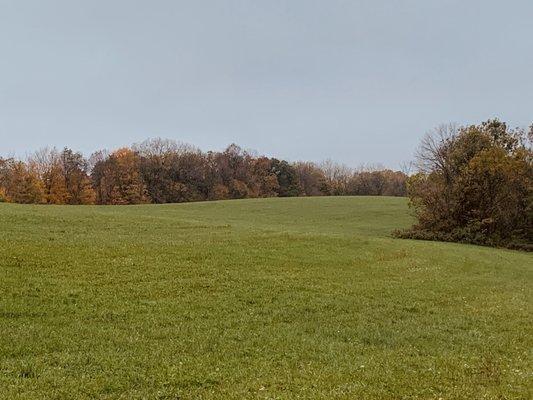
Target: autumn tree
[(474, 185), (4, 179), (48, 166), (337, 177), (117, 179), (263, 181), (382, 182), (230, 169), (395, 183), (312, 179), (172, 172), (74, 168), (19, 183)]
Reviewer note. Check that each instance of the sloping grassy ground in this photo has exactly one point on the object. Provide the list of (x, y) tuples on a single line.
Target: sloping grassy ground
[(264, 299)]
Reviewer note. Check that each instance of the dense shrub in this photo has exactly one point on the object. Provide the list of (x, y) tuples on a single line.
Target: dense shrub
[(474, 185)]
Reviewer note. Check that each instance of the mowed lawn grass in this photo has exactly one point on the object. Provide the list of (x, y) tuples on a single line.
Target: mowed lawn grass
[(307, 298)]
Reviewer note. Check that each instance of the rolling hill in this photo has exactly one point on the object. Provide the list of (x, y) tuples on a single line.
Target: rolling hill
[(268, 298)]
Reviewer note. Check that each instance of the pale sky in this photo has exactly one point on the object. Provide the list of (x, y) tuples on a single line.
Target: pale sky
[(355, 81)]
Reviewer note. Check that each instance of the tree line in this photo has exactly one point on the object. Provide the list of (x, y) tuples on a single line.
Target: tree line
[(164, 171)]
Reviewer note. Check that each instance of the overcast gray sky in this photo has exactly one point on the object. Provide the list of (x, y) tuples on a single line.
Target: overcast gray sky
[(355, 81)]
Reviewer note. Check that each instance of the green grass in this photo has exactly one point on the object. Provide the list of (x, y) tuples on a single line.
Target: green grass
[(305, 298)]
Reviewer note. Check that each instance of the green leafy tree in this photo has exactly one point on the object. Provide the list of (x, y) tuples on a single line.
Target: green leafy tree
[(289, 184)]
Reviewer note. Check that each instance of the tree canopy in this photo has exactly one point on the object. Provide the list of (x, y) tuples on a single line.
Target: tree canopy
[(164, 171)]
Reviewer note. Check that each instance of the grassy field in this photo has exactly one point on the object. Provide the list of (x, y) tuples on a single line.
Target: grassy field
[(305, 298)]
